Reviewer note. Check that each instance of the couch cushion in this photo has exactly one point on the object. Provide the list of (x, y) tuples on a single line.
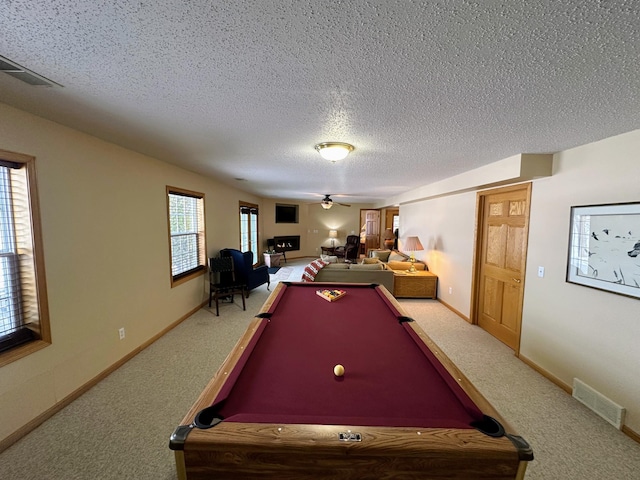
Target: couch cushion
[(337, 266), (367, 266), (405, 265), (383, 255)]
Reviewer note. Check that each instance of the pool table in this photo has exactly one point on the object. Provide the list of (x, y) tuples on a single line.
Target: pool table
[(276, 409)]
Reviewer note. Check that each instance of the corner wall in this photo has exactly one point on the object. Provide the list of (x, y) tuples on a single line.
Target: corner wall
[(567, 330), (314, 223)]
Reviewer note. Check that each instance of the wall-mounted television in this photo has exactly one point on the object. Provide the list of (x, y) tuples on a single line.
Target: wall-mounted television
[(286, 213)]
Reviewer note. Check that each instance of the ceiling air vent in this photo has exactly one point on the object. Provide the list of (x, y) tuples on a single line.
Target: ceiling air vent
[(24, 74)]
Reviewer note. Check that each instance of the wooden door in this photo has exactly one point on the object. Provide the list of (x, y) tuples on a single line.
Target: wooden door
[(372, 230), (503, 221)]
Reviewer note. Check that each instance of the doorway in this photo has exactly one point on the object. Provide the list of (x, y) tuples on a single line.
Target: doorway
[(500, 260), (369, 231)]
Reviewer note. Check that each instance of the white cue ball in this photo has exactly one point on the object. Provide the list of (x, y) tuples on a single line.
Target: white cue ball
[(338, 370)]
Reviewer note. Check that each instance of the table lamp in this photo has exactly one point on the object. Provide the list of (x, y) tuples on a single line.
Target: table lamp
[(388, 238), (333, 234), (412, 244)]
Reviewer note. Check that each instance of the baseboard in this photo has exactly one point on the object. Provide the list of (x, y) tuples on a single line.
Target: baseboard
[(631, 434), (549, 376), (462, 316), (37, 421), (568, 389)]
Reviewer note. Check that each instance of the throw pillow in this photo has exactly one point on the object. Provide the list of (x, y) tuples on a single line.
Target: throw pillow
[(397, 257), (329, 258), (368, 261), (383, 255)]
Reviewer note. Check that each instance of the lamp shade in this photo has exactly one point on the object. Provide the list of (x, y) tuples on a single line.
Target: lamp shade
[(412, 244), (333, 234), (388, 234)]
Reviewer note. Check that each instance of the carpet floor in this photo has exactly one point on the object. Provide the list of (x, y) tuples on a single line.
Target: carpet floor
[(120, 428)]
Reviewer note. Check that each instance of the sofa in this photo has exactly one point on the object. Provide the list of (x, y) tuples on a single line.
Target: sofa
[(243, 266), (376, 272), (396, 260)]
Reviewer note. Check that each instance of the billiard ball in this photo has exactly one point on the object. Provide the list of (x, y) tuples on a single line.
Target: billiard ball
[(338, 370)]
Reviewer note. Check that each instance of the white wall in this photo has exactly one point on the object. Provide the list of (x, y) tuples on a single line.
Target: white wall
[(106, 252), (568, 330)]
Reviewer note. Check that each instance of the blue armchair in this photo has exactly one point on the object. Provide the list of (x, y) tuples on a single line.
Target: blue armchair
[(243, 263)]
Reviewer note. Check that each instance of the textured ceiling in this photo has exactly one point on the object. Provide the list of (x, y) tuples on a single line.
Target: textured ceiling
[(244, 89)]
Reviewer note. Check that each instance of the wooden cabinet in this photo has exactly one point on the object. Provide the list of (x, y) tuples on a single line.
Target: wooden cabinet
[(415, 285)]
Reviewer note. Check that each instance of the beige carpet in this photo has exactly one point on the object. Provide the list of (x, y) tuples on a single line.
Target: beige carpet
[(120, 428)]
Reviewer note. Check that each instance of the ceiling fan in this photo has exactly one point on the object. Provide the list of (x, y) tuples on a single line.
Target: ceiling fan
[(327, 203)]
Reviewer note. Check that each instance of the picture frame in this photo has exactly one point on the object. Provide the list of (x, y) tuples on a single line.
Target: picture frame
[(604, 248)]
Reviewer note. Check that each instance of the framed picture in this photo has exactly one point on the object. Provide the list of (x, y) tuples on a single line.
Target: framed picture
[(604, 248)]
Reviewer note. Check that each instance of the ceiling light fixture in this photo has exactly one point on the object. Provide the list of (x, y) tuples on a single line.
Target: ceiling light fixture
[(334, 151)]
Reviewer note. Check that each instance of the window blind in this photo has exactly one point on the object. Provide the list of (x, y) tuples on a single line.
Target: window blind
[(186, 224), (19, 315)]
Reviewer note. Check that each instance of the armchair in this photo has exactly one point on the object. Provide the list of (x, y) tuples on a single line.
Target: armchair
[(352, 247), (245, 273)]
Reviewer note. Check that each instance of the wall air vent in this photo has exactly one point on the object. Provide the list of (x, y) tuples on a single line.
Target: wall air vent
[(606, 408), (12, 68)]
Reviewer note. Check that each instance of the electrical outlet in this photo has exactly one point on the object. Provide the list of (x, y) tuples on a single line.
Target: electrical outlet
[(541, 272), (450, 290), (121, 333)]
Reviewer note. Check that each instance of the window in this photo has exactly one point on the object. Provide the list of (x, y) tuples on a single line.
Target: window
[(249, 230), (396, 223), (24, 313), (186, 234)]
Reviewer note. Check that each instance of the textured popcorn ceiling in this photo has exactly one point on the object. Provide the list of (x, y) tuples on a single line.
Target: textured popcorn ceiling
[(244, 89)]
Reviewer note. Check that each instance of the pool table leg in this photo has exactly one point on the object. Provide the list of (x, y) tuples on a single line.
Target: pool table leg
[(180, 466)]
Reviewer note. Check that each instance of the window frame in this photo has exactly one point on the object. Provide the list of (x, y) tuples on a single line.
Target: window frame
[(42, 329), (199, 270)]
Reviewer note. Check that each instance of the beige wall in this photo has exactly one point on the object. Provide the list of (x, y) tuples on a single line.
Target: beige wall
[(568, 330), (104, 225), (445, 227), (571, 330), (313, 227), (107, 260)]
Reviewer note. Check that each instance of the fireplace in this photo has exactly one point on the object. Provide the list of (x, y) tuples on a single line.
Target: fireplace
[(285, 244)]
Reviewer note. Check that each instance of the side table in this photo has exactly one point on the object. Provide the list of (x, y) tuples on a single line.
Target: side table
[(420, 284), (272, 259)]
